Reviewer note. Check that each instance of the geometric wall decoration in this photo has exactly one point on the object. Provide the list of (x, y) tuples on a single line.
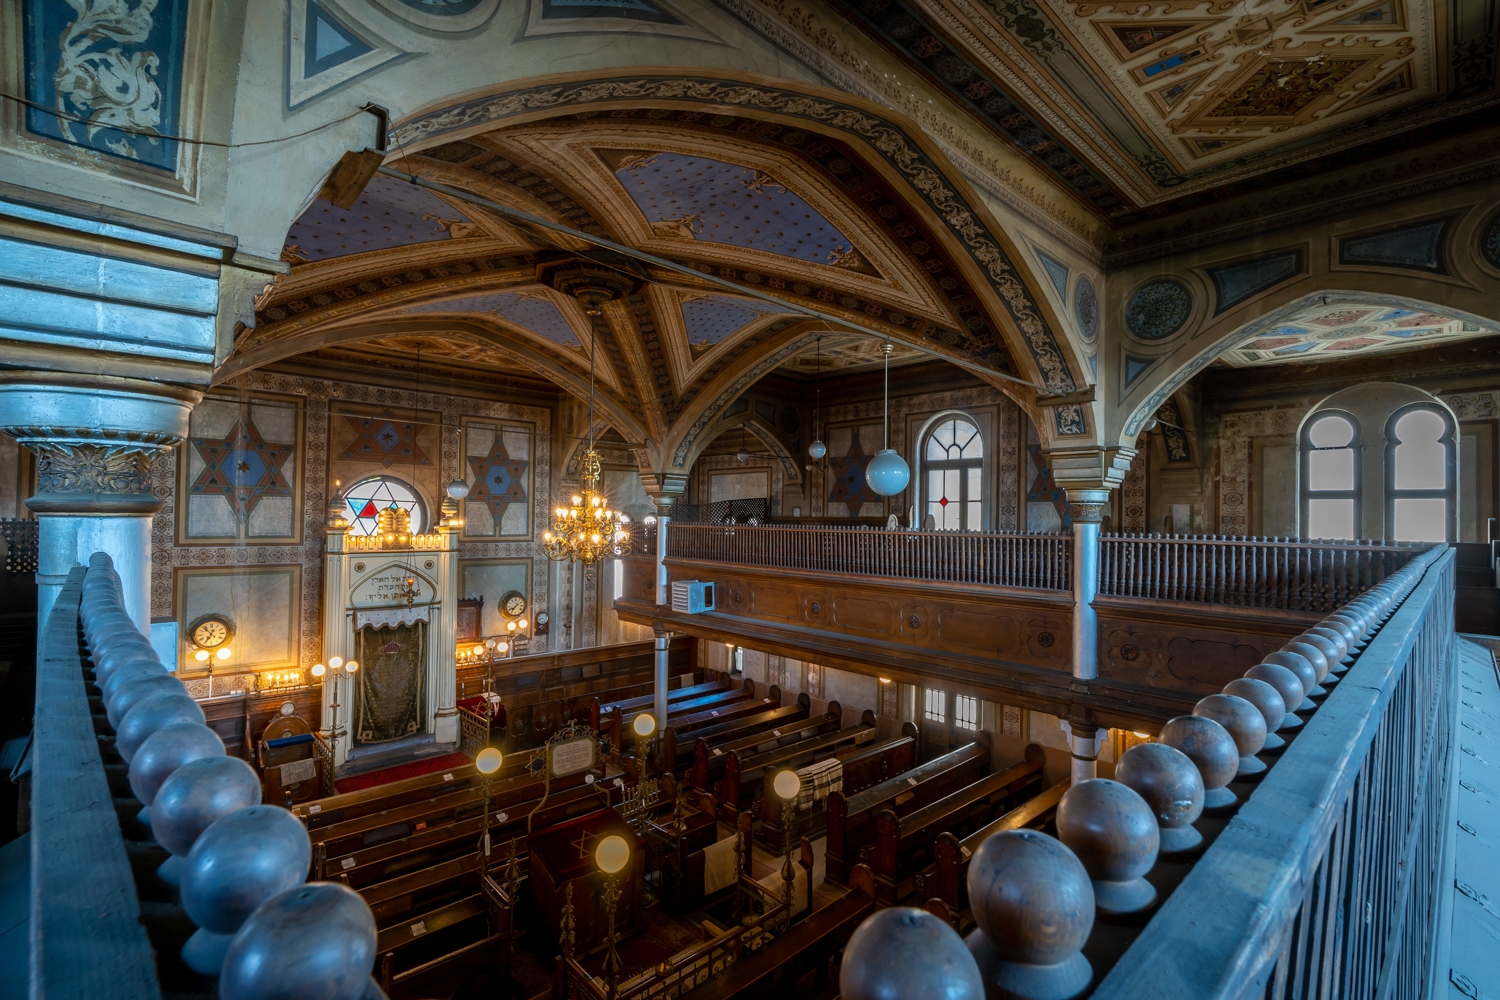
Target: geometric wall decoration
[(385, 438), (327, 49), (710, 319), (240, 472), (390, 213), (850, 448), (1058, 272), (1134, 367), (1235, 283), (1158, 309), (1086, 310), (1489, 243), (1331, 332), (1416, 248), (115, 66), (262, 600), (497, 465), (1174, 437)]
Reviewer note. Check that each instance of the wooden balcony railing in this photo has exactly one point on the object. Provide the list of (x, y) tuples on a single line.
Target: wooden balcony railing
[(1247, 572), (1330, 880), (1032, 562)]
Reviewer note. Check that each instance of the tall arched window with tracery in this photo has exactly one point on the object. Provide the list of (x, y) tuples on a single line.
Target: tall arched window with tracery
[(1330, 476), (953, 464), (1419, 479)]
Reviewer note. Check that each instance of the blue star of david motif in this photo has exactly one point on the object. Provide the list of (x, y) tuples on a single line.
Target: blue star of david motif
[(848, 475), (499, 480), (241, 467), (385, 440)]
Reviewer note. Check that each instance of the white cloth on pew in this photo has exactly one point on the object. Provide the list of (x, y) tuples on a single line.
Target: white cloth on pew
[(819, 781), (718, 865), (777, 885)]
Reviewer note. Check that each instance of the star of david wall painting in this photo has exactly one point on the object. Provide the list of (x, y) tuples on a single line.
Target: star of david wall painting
[(850, 448), (387, 440), (240, 472), (497, 466)]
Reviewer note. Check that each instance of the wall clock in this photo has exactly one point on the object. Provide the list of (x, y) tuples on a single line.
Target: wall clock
[(541, 618), (210, 631), (513, 604)]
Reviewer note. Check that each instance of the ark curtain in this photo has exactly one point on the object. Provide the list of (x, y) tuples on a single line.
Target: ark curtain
[(389, 685)]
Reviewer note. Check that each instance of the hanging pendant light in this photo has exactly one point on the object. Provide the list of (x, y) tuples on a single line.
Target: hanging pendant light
[(742, 455), (887, 473), (587, 530), (817, 449)]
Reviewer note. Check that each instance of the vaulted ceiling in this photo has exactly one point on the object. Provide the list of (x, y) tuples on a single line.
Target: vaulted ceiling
[(766, 207), (1149, 108)]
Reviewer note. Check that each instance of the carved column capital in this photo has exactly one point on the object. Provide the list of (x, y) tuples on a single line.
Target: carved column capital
[(91, 477), (1088, 505)]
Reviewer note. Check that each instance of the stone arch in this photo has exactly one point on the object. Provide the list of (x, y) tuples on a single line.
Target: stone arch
[(1193, 356), (766, 436)]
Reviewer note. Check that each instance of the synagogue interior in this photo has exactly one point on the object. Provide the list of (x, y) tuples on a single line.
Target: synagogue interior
[(732, 499)]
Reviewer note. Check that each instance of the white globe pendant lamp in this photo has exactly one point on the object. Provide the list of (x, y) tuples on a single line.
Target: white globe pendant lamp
[(817, 449), (887, 473)]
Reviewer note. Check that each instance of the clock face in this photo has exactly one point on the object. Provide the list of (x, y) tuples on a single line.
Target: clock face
[(513, 604), (542, 618), (210, 634)]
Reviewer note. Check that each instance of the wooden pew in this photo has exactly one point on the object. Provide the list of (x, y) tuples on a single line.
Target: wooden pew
[(946, 880), (744, 777), (775, 969), (434, 953), (620, 734), (641, 703), (851, 816), (870, 765), (902, 840), (352, 805), (708, 759), (679, 756)]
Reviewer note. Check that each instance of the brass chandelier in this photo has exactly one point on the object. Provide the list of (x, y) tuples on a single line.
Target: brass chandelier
[(588, 530)]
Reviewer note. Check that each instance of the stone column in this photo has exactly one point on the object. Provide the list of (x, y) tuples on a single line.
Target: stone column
[(1088, 510), (1084, 742), (444, 633), (95, 439), (659, 701)]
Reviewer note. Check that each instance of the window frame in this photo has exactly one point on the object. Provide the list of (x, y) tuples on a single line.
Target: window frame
[(386, 477), (925, 466), (1449, 493), (1305, 448)]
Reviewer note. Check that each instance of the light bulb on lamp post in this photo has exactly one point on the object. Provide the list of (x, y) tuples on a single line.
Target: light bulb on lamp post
[(644, 726), (612, 855), (487, 762), (788, 785)]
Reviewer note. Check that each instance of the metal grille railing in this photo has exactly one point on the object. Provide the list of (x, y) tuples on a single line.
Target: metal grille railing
[(1279, 573)]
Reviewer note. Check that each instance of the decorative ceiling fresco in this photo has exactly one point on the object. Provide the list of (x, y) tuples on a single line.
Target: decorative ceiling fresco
[(1335, 332), (842, 353), (1167, 104), (766, 207), (389, 214)]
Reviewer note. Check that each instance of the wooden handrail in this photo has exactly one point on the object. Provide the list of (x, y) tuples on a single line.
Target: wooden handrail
[(1032, 562)]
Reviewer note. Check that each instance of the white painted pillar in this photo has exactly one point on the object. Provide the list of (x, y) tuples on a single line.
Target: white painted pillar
[(444, 640), (1087, 507), (659, 701), (95, 440), (338, 632), (1084, 743)]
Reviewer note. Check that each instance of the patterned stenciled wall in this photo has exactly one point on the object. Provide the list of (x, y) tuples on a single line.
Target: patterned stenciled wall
[(276, 584)]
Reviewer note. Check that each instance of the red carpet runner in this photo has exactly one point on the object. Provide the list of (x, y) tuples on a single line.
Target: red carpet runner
[(411, 769)]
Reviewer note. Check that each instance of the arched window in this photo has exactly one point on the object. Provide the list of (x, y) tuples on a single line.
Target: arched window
[(1419, 475), (366, 498), (953, 459), (1330, 476)]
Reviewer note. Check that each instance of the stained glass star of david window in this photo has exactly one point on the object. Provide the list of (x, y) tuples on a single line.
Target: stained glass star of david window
[(366, 499)]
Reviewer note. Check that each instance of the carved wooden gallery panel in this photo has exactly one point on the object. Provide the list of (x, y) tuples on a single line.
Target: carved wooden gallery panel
[(929, 618), (1177, 656)]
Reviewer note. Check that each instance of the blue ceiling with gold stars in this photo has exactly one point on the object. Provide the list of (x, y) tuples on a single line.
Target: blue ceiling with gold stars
[(390, 213), (699, 198), (710, 319), (535, 312)]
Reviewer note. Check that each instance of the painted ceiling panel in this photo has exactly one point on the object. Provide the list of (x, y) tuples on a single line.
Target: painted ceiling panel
[(389, 214), (712, 319), (699, 198), (1327, 333), (533, 310)]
